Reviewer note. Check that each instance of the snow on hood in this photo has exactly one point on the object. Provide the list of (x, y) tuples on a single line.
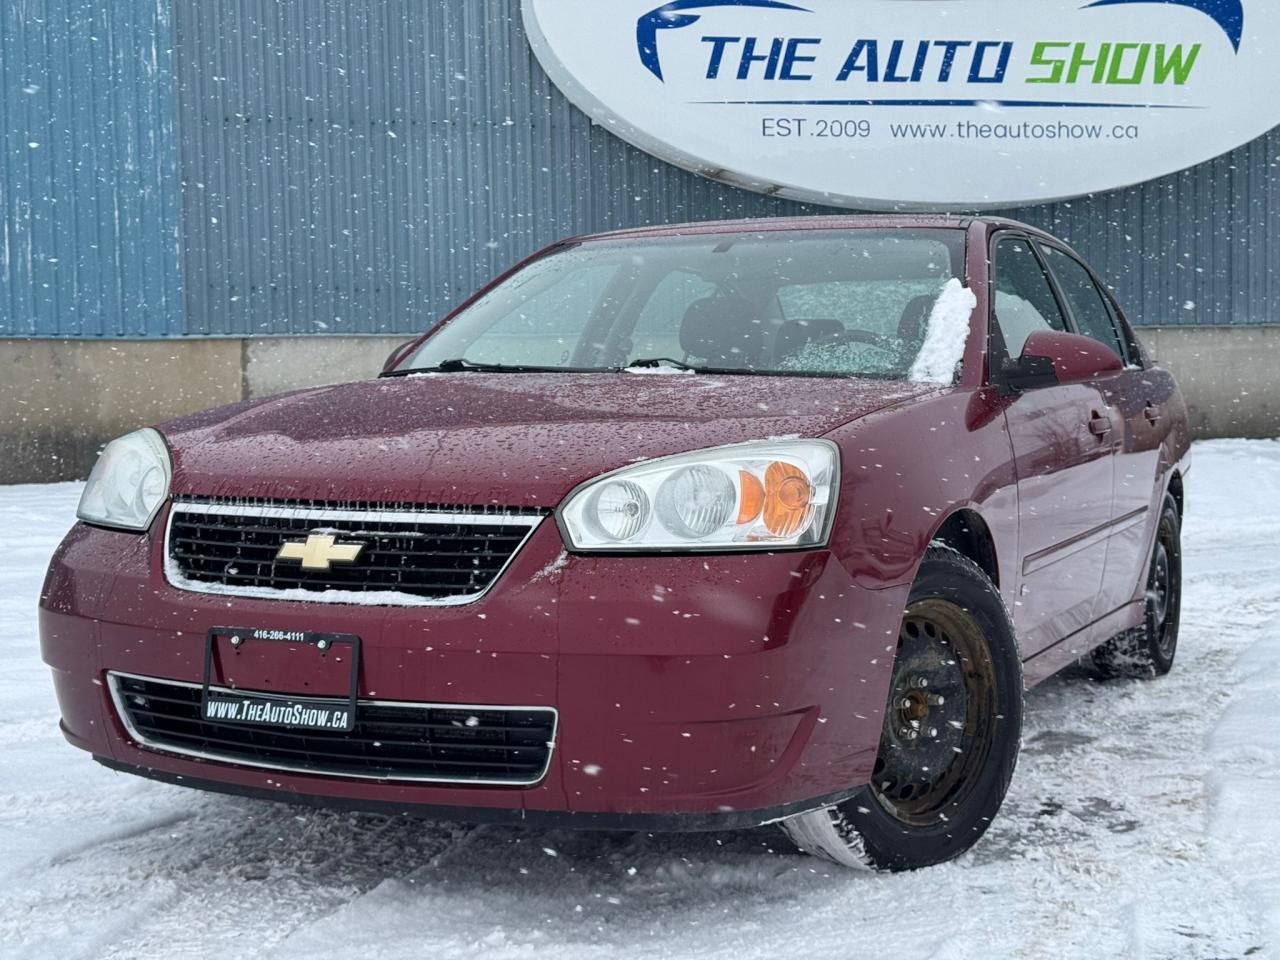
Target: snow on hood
[(945, 338)]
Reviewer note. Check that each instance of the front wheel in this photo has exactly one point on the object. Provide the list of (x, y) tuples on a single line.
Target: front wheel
[(950, 736)]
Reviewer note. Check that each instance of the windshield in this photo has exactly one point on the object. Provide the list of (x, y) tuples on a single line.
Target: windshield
[(813, 302)]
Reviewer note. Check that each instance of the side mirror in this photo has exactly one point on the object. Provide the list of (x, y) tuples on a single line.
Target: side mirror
[(1050, 356), (397, 355)]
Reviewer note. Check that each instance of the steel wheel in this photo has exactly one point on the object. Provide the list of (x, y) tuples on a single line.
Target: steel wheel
[(1161, 599), (951, 730), (937, 730), (1149, 650)]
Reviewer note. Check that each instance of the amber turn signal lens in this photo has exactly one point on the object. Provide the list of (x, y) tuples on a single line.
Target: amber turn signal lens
[(787, 495), (751, 499)]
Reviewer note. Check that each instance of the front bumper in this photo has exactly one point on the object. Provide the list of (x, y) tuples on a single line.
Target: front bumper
[(692, 691)]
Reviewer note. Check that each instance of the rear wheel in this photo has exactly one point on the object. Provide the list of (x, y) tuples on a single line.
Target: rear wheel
[(950, 736), (1149, 650)]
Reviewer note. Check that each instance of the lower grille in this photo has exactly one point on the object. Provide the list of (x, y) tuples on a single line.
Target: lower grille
[(440, 743)]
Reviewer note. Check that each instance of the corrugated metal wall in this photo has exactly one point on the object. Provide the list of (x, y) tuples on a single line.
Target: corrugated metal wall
[(89, 198), (1198, 247), (359, 166)]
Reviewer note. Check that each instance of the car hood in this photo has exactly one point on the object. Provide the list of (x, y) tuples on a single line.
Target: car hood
[(510, 439)]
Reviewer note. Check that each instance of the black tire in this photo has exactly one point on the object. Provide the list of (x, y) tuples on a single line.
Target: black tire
[(1149, 651), (936, 786)]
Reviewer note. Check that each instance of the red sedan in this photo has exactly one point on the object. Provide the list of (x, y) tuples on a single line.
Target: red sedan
[(694, 527)]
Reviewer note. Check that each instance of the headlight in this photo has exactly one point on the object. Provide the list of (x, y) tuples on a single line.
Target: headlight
[(750, 496), (128, 483)]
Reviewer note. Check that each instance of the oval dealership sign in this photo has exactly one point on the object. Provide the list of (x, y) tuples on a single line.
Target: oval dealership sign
[(920, 103)]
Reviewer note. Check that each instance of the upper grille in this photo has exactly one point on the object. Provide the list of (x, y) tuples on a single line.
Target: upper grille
[(391, 741), (421, 556)]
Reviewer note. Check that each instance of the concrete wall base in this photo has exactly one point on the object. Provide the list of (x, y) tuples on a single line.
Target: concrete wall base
[(61, 400), (1229, 376)]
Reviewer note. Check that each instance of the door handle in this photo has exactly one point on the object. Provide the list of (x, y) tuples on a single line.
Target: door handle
[(1152, 413), (1099, 425)]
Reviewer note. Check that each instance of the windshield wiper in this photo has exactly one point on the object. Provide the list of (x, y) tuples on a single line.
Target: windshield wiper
[(652, 363), (459, 365)]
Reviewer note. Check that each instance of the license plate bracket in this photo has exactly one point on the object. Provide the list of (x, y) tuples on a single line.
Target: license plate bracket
[(279, 710)]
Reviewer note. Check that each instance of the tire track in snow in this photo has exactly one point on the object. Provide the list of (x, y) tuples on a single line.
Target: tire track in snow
[(116, 836)]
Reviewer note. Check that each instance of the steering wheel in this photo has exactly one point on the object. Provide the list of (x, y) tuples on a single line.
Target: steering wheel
[(858, 336)]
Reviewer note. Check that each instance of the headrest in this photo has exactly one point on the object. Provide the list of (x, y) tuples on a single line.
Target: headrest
[(723, 331)]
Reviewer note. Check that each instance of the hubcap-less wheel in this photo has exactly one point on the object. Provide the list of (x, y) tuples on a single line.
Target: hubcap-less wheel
[(949, 739), (1149, 650), (1159, 599), (937, 730)]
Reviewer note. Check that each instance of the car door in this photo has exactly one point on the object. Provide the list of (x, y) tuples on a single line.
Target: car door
[(1138, 397), (1063, 453)]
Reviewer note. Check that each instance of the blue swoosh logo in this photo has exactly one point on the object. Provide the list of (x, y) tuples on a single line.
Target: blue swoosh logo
[(1228, 14), (669, 16)]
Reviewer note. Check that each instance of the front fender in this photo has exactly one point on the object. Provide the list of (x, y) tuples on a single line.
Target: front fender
[(907, 469)]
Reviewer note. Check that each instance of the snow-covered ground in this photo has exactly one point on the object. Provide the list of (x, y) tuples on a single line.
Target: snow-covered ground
[(1140, 823)]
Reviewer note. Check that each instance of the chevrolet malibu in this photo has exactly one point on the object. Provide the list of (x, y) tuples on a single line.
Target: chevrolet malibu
[(683, 528)]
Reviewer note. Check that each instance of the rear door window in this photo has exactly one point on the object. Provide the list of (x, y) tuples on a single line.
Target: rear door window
[(1087, 303)]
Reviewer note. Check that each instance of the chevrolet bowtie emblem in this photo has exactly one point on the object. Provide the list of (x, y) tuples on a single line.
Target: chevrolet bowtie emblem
[(319, 551)]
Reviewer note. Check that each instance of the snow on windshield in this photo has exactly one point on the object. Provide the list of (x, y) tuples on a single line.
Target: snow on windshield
[(931, 360), (883, 359)]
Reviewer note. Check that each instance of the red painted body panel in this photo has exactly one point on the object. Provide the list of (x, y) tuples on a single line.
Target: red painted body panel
[(688, 692), (475, 438), (1065, 478), (896, 492), (684, 684)]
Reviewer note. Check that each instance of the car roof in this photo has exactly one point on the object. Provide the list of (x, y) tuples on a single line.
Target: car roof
[(824, 222)]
